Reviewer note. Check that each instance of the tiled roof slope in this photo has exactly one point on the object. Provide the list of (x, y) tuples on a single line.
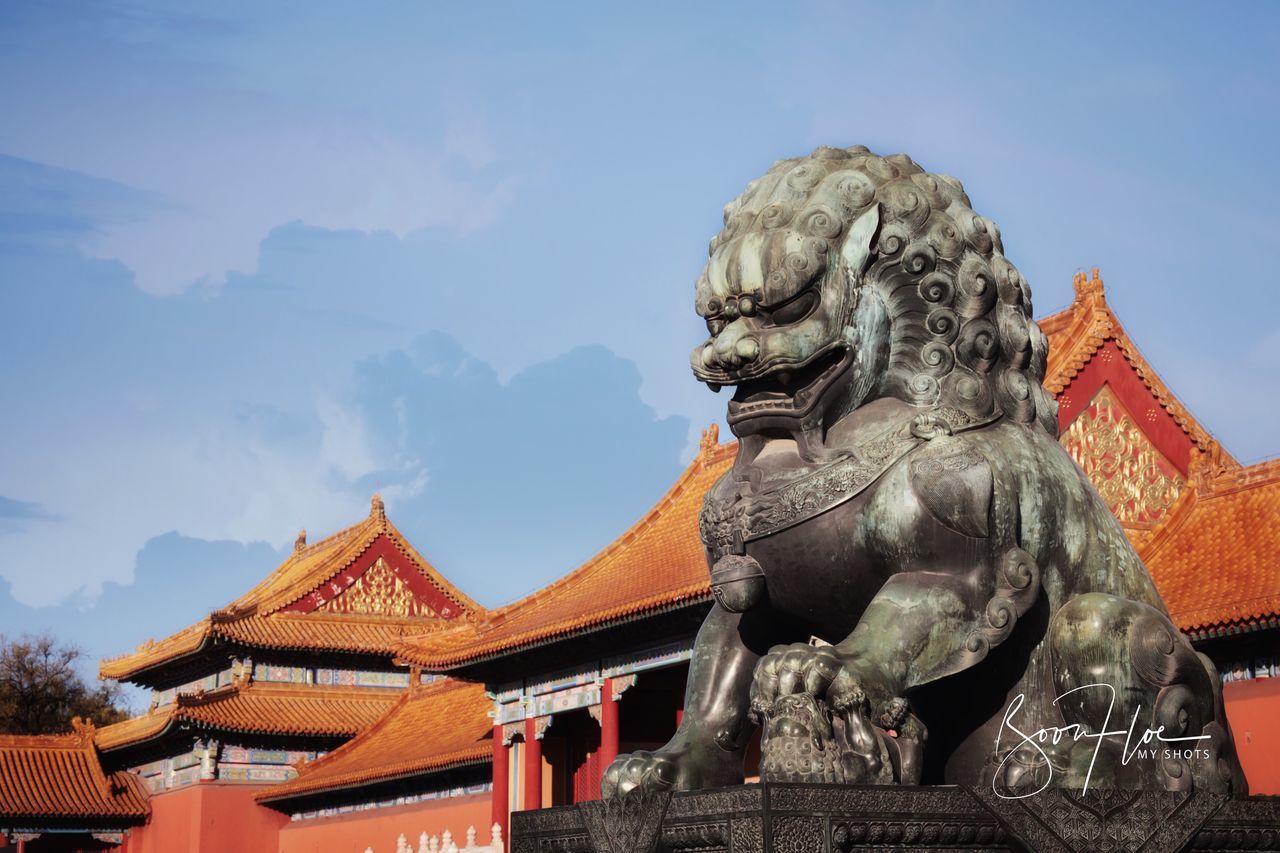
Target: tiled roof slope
[(59, 776), (258, 618), (656, 564), (263, 709), (1216, 555), (433, 728)]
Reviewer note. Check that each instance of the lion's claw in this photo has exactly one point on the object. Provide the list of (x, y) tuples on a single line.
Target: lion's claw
[(801, 668), (650, 770)]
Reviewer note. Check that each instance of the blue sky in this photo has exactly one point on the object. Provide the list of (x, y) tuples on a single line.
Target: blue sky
[(258, 261)]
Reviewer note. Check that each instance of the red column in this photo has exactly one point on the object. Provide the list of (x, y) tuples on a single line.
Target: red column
[(608, 725), (501, 769), (532, 765)]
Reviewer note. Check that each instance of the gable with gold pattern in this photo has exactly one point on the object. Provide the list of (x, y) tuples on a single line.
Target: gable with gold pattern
[(1135, 440), (381, 582), (1138, 483), (377, 592)]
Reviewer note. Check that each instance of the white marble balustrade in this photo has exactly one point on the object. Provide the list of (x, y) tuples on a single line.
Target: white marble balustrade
[(444, 843)]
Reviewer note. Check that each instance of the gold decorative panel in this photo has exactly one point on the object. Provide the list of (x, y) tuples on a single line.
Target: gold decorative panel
[(1134, 478), (378, 592)]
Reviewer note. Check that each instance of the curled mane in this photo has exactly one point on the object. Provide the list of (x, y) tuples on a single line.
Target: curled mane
[(961, 333)]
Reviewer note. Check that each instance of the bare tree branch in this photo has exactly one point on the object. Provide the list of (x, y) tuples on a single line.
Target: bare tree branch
[(40, 690)]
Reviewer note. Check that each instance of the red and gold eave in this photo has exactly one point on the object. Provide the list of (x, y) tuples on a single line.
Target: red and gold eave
[(58, 780), (359, 591), (1161, 472)]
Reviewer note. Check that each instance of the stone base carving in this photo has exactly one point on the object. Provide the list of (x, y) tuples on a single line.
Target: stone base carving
[(805, 818)]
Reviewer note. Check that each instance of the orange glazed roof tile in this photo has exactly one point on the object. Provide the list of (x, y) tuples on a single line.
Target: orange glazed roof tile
[(59, 776), (658, 563), (265, 709), (1214, 555), (269, 615), (432, 728), (1077, 333)]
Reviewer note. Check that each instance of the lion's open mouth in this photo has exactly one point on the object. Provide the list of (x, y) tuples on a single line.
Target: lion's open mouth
[(788, 393)]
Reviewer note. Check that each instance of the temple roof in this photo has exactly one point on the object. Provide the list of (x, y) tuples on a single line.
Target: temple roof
[(1216, 556), (59, 776), (357, 591), (430, 729), (258, 708), (657, 564)]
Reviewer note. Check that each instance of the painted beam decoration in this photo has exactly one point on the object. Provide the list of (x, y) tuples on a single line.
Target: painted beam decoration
[(579, 687)]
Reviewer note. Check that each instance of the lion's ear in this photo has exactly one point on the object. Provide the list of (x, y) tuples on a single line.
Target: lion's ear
[(856, 251)]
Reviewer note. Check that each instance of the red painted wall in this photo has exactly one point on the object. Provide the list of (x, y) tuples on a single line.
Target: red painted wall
[(379, 828), (1253, 709), (208, 818)]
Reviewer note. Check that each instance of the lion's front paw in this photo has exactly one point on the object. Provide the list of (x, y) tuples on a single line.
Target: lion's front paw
[(817, 725), (646, 770), (801, 668)]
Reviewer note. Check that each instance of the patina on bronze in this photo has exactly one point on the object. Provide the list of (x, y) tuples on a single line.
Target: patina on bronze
[(900, 493)]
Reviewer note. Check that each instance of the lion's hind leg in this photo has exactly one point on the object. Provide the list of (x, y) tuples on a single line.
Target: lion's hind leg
[(1143, 708)]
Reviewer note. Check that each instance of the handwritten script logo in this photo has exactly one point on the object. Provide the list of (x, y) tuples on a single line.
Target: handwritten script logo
[(1076, 732)]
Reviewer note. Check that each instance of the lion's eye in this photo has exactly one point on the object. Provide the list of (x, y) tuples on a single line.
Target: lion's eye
[(715, 326), (794, 310)]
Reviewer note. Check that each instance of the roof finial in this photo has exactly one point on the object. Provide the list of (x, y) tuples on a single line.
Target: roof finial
[(301, 541), (1090, 285), (415, 677), (377, 509), (710, 439), (84, 729)]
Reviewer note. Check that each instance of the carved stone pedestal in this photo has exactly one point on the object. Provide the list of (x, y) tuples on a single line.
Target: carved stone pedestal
[(793, 818)]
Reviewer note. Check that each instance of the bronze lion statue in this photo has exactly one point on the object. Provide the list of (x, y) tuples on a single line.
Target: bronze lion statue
[(914, 582)]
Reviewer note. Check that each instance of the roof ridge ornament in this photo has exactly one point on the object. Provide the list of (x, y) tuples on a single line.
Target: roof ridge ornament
[(83, 730), (1090, 285), (301, 542), (710, 440), (377, 509)]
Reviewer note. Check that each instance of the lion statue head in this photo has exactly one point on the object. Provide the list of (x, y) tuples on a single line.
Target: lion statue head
[(843, 277)]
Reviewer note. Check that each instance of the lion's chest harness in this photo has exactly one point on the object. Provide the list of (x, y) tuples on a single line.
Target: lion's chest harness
[(731, 520)]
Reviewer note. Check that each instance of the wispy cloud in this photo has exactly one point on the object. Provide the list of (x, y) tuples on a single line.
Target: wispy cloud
[(15, 513)]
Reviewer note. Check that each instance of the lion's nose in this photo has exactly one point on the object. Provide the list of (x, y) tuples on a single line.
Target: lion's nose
[(731, 353)]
